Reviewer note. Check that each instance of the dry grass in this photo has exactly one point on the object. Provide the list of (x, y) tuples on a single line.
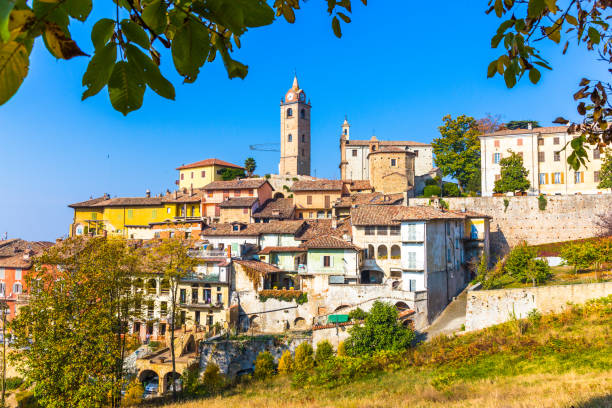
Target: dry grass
[(400, 389)]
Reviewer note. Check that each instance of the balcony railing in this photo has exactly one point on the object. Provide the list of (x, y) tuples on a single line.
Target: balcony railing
[(201, 277), (208, 253)]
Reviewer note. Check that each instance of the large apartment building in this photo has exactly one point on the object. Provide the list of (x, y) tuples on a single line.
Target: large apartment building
[(544, 156)]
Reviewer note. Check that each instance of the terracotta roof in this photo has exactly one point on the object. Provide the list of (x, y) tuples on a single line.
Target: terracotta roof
[(359, 184), (88, 203), (375, 215), (427, 213), (279, 208), (18, 253), (183, 196), (315, 228), (386, 143), (549, 129), (235, 184), (317, 185), (369, 198), (328, 242), (258, 266), (129, 201), (281, 227), (267, 250), (209, 162), (219, 229), (391, 149), (238, 202)]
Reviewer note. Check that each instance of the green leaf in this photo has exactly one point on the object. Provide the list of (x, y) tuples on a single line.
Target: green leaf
[(135, 33), (344, 17), (510, 77), (535, 8), (52, 13), (190, 47), (571, 20), (101, 32), (492, 69), (257, 13), (78, 9), (534, 75), (150, 72), (6, 6), (126, 87), (496, 39), (99, 70), (336, 27), (594, 35), (552, 5), (504, 26), (234, 68), (499, 8), (154, 14), (59, 44), (14, 64), (554, 33)]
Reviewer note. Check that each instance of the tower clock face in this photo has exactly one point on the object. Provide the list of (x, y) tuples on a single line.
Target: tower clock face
[(290, 96), (302, 97)]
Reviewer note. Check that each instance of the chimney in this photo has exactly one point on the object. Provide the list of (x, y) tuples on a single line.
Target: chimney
[(529, 126), (405, 194), (175, 194), (148, 193), (191, 190), (334, 222)]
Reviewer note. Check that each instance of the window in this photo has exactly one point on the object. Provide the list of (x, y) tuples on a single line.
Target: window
[(154, 213), (578, 177), (541, 157), (369, 230), (168, 210), (18, 274), (192, 174), (557, 178), (496, 158), (416, 153), (303, 138), (303, 114), (130, 213), (17, 288), (543, 178), (556, 141), (183, 296), (210, 194), (245, 210), (394, 230), (411, 260), (94, 216), (320, 214), (2, 276), (382, 252), (236, 193), (370, 252), (596, 176), (381, 230), (182, 176), (557, 156), (308, 199), (171, 234), (411, 232), (326, 261), (203, 174), (2, 288), (345, 131), (496, 143), (220, 298), (327, 201), (596, 154), (412, 285), (393, 161), (354, 152), (289, 112), (290, 138), (396, 252), (303, 152), (220, 172), (540, 142), (519, 142)]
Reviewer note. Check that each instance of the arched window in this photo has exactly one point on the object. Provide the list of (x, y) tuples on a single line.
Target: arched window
[(345, 131), (303, 114), (303, 138), (290, 138), (289, 112), (382, 252), (17, 288), (396, 252), (370, 251)]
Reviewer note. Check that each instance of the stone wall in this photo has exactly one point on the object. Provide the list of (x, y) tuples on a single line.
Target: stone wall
[(565, 217), (335, 335), (489, 307)]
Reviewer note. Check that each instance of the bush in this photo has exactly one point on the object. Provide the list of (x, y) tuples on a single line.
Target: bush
[(285, 364), (133, 393), (451, 190), (191, 381), (26, 399), (341, 352), (303, 358), (381, 331), (542, 202), (264, 366), (523, 267), (154, 345), (212, 379), (325, 351), (357, 314), (432, 190), (12, 383), (444, 204), (267, 176)]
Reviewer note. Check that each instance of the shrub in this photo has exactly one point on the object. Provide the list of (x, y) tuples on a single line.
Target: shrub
[(154, 345), (324, 352), (212, 379), (12, 383), (432, 190), (267, 176), (341, 352), (519, 260), (542, 202), (357, 314), (451, 190), (26, 399), (285, 364), (191, 380), (580, 255), (381, 331), (431, 182), (444, 204), (133, 393), (534, 317), (506, 204), (303, 358), (264, 365)]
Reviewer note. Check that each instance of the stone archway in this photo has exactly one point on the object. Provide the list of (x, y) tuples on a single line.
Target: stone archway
[(401, 306), (342, 308), (254, 322), (169, 377), (279, 195), (150, 382), (299, 323)]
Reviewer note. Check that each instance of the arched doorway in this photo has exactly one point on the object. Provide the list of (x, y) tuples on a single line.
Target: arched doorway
[(299, 323), (173, 377), (279, 195), (254, 322), (401, 306), (369, 277), (150, 382)]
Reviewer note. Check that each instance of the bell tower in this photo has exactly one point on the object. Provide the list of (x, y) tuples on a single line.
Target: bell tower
[(294, 132)]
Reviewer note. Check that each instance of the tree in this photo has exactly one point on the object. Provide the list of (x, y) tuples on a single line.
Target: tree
[(171, 260), (580, 255), (513, 175), (558, 21), (490, 123), (231, 173), (70, 337), (250, 165), (605, 174), (285, 364), (324, 352), (264, 365), (380, 331), (458, 149), (126, 55), (304, 360), (522, 124), (521, 264)]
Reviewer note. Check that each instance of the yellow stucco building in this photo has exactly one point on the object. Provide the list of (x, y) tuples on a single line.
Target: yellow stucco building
[(199, 174)]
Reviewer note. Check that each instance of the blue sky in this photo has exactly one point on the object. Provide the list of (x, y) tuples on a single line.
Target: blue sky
[(399, 68)]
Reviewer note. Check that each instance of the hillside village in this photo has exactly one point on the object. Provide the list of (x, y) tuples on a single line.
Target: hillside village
[(291, 253)]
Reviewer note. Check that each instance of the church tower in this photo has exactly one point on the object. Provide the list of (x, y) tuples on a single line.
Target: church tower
[(295, 132)]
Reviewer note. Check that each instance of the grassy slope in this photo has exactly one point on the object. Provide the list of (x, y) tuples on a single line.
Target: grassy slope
[(563, 360)]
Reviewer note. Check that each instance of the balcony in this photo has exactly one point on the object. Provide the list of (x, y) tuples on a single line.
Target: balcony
[(201, 277), (208, 253), (202, 305)]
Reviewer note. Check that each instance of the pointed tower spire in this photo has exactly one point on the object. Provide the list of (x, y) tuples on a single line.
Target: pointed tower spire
[(295, 82)]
